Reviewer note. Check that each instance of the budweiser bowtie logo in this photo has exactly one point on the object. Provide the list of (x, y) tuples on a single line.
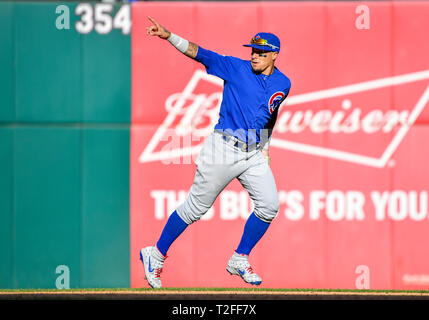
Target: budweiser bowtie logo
[(340, 123)]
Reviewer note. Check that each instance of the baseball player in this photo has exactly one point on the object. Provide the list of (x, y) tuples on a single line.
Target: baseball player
[(237, 148)]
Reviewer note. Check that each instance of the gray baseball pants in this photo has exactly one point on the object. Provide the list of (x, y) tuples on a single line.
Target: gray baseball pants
[(218, 163)]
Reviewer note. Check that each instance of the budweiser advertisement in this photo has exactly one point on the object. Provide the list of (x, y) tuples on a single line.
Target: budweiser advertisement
[(348, 149)]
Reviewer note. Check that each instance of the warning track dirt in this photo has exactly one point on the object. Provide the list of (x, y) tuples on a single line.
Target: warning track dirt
[(201, 294)]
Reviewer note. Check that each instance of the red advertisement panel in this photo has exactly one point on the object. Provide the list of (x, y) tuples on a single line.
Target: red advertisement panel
[(347, 151)]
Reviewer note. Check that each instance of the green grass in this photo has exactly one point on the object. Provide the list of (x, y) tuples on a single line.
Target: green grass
[(256, 290)]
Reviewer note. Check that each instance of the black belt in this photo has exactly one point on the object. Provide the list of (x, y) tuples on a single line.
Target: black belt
[(239, 144)]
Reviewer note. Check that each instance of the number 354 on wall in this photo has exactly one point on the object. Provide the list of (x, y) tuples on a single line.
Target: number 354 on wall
[(99, 17)]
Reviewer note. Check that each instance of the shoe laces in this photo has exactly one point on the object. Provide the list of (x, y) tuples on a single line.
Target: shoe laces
[(158, 272), (249, 269)]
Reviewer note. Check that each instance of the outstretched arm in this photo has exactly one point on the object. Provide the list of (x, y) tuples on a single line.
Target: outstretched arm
[(188, 48)]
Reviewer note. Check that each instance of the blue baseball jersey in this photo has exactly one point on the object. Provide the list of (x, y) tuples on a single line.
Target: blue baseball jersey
[(250, 100)]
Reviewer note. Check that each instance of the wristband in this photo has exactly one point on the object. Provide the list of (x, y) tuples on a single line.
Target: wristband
[(178, 42)]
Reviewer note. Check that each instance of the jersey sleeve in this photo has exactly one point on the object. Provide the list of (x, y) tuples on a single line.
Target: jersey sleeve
[(217, 64)]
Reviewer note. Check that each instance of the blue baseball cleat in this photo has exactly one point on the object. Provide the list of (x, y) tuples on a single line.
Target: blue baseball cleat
[(153, 261), (239, 265)]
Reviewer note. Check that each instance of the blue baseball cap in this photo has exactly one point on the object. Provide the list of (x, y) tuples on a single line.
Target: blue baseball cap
[(265, 41)]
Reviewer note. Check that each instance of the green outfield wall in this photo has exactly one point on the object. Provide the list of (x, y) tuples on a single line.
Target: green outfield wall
[(64, 151)]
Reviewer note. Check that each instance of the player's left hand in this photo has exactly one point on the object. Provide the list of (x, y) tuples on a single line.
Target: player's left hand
[(266, 156)]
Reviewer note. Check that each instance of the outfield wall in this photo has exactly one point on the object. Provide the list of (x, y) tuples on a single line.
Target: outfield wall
[(348, 151), (64, 151)]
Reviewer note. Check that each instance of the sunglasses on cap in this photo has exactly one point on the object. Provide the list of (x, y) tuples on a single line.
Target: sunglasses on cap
[(262, 42)]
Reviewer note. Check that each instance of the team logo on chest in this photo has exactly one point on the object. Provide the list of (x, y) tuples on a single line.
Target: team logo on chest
[(275, 101)]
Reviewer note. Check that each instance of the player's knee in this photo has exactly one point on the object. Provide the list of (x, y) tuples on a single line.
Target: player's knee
[(191, 212), (275, 206), (188, 214), (267, 211), (273, 209)]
